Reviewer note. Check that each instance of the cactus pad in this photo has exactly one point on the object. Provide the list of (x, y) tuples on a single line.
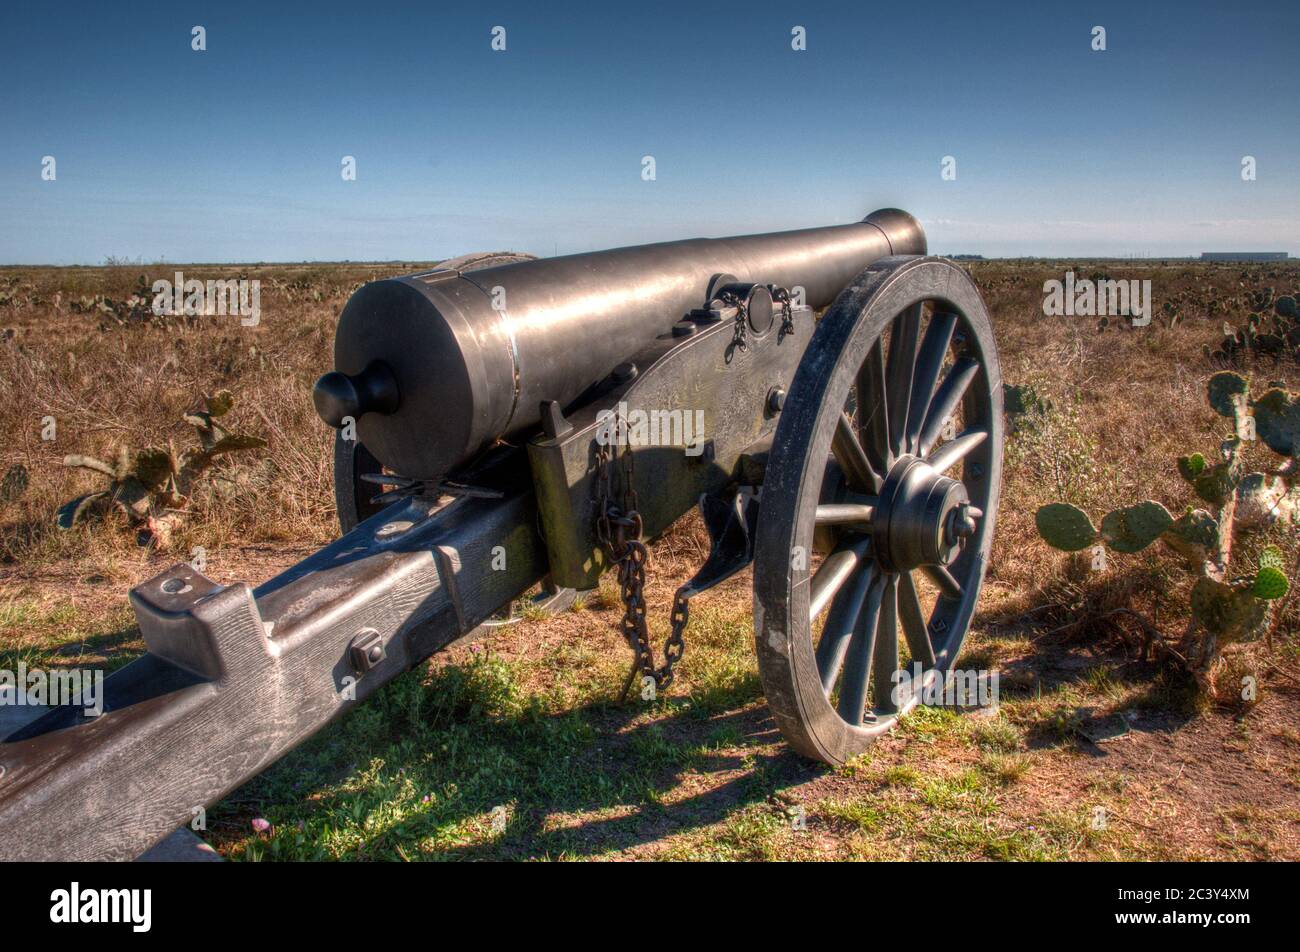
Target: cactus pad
[(1271, 557), (1230, 612), (71, 512), (1223, 390), (1194, 535), (1065, 527), (1270, 583), (1189, 467), (1277, 421), (1133, 528), (1215, 484), (153, 467), (220, 403)]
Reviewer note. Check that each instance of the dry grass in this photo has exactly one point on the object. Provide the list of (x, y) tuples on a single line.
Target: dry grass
[(702, 773)]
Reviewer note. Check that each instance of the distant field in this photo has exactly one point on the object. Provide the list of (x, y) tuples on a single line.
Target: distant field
[(516, 748)]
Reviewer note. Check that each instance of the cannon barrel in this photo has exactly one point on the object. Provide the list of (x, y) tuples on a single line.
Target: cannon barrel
[(437, 366)]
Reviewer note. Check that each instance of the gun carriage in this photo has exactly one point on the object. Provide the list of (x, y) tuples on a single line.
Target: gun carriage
[(490, 439)]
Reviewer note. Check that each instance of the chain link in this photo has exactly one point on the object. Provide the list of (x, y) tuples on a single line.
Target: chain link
[(618, 529), (782, 297), (731, 299)]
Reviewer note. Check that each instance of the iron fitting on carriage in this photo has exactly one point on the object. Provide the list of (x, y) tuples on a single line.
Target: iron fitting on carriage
[(921, 518)]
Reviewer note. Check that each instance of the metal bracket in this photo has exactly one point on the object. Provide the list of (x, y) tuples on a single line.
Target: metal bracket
[(731, 523), (681, 377)]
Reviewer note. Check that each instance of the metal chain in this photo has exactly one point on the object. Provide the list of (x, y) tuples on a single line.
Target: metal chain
[(618, 529), (782, 297), (732, 299)]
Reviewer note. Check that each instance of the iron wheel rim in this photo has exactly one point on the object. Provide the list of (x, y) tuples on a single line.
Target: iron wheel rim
[(792, 663)]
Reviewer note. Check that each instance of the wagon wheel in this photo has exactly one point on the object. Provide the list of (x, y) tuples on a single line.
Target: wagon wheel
[(861, 471), (352, 494)]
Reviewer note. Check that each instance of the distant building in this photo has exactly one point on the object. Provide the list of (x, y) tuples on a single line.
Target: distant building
[(1244, 256)]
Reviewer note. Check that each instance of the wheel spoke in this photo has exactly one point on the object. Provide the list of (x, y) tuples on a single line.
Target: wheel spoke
[(945, 401), (955, 450), (833, 572), (857, 666), (913, 619), (934, 347), (902, 362), (948, 586), (885, 662), (873, 408), (849, 454), (844, 513), (841, 621)]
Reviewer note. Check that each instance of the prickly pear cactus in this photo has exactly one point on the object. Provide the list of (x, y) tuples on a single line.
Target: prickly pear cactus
[(1065, 527), (1133, 528), (1193, 535), (1223, 609), (150, 486), (1277, 421), (1225, 390), (1275, 335)]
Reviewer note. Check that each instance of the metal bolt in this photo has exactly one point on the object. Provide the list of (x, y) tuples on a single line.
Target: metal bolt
[(367, 650), (776, 400), (961, 523)]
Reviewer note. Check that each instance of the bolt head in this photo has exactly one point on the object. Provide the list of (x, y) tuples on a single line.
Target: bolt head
[(367, 650), (961, 524)]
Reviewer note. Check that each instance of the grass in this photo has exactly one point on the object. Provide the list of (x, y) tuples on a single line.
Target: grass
[(518, 750)]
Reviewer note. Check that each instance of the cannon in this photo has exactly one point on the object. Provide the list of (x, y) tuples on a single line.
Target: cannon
[(508, 426)]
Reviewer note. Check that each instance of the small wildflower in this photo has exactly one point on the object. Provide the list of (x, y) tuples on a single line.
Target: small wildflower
[(260, 825)]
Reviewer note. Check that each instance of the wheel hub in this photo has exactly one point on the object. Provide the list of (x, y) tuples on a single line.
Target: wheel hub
[(922, 517)]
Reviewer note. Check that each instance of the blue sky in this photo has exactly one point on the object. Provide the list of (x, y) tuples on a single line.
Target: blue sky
[(233, 154)]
